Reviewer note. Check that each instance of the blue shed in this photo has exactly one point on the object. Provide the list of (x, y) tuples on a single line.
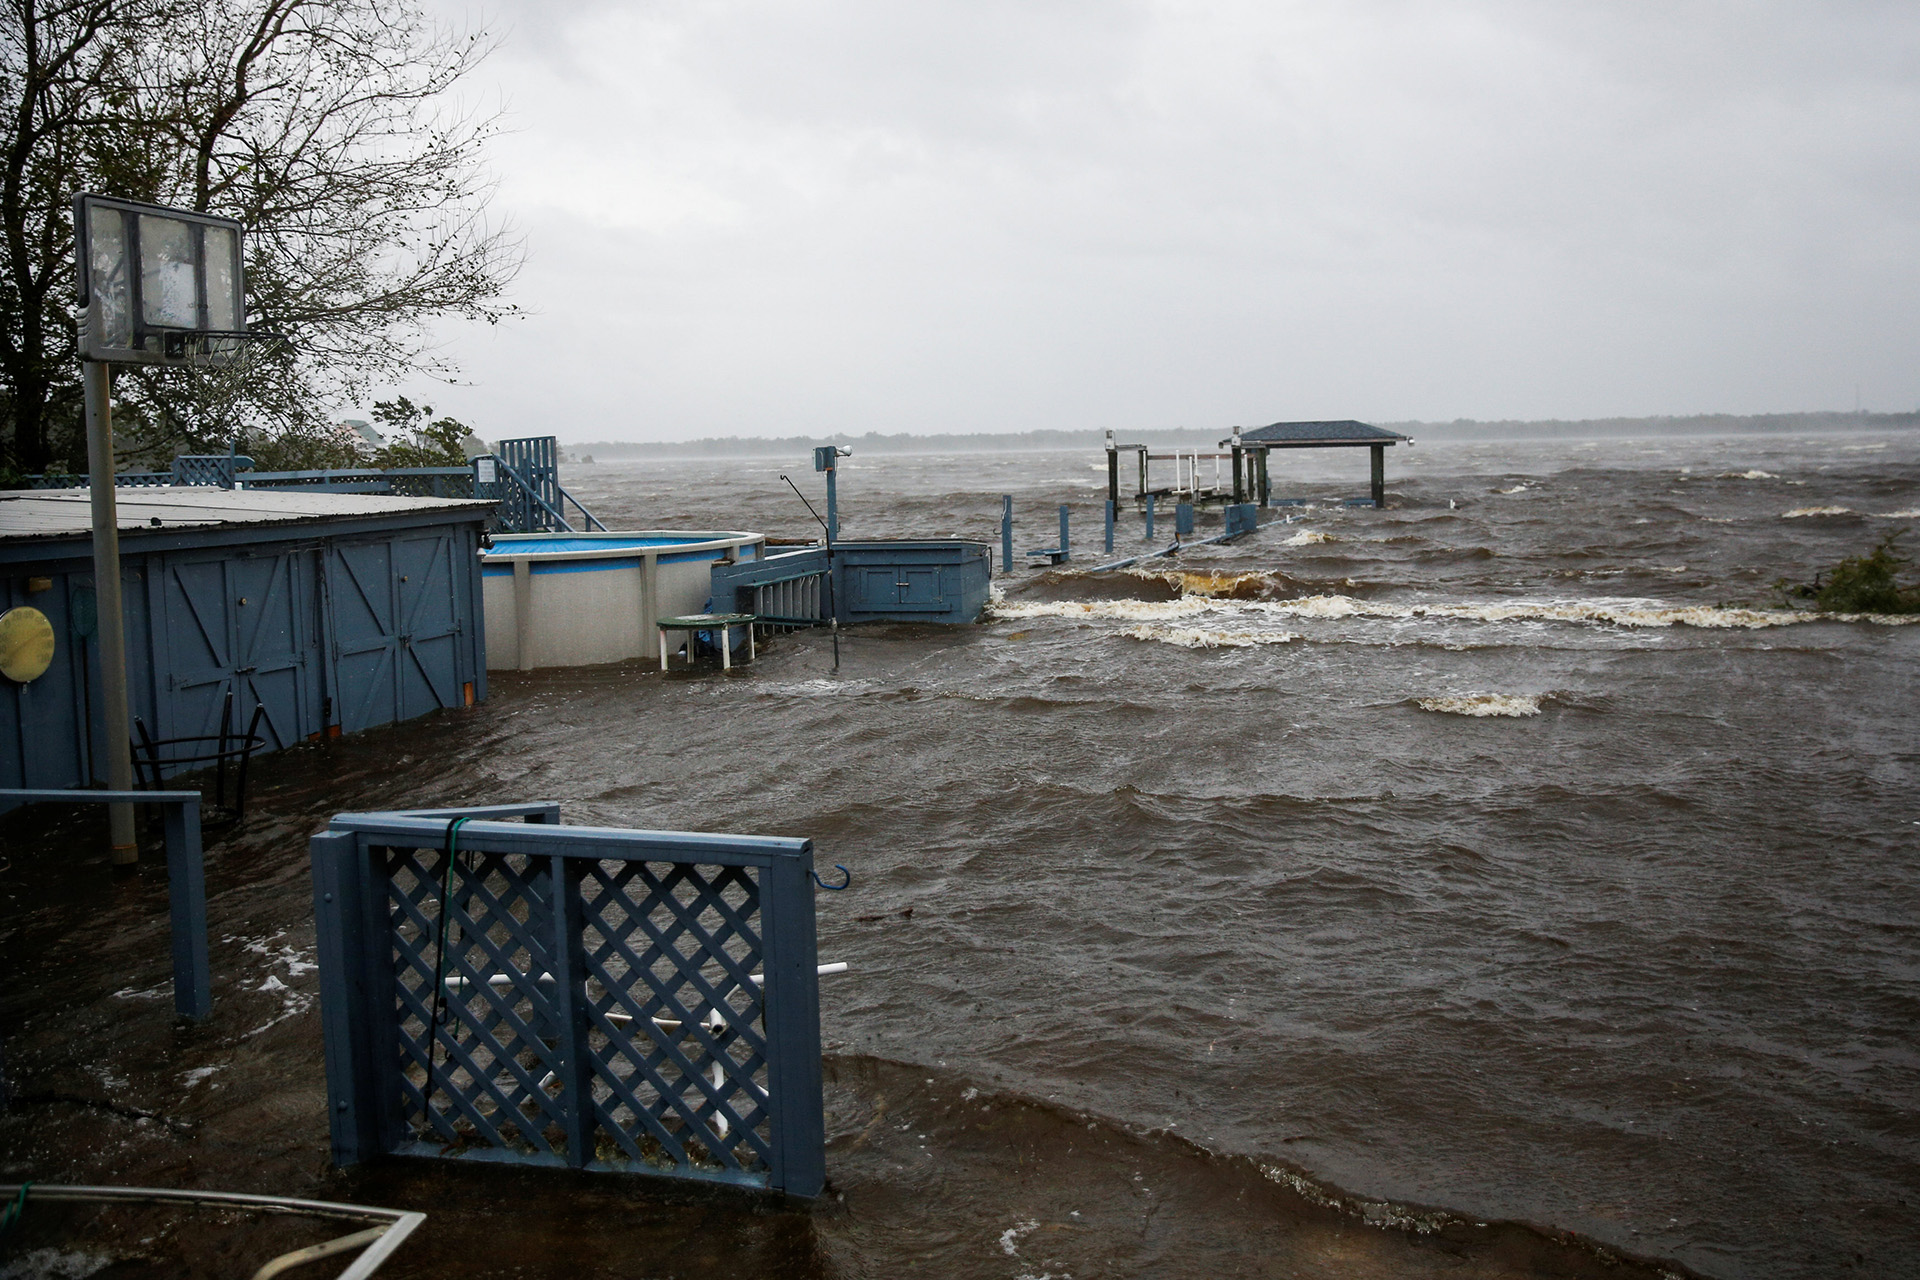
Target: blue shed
[(333, 612), (905, 580)]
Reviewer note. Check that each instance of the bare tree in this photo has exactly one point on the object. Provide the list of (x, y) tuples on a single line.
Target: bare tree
[(329, 128)]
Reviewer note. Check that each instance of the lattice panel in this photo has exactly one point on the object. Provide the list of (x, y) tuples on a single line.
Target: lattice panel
[(486, 1077), (676, 1047), (677, 1043)]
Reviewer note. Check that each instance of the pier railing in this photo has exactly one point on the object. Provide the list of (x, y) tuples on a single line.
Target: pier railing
[(584, 997)]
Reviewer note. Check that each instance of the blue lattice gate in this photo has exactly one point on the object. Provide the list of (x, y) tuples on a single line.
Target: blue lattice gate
[(576, 996)]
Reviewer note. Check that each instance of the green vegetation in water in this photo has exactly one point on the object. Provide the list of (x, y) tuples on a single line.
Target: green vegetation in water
[(1858, 584)]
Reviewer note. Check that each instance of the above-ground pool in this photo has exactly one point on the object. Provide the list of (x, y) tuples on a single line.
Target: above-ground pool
[(569, 599)]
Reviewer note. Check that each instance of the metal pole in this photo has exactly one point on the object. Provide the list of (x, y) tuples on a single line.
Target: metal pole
[(1006, 533), (833, 509), (106, 595)]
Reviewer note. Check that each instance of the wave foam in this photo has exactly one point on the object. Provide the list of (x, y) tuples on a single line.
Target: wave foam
[(1800, 513), (1755, 474), (1207, 638), (1308, 538), (1484, 704), (1114, 610), (1618, 613), (1901, 515)]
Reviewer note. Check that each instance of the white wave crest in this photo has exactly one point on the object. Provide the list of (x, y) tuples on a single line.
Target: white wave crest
[(1801, 513), (1618, 613), (1755, 474), (1484, 704), (1207, 638), (1116, 610), (1519, 488), (1901, 515), (1307, 538)]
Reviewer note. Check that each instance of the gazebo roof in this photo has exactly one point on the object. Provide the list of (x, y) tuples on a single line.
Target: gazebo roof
[(1307, 435)]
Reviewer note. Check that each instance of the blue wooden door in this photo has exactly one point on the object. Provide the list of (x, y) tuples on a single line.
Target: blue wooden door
[(242, 624), (395, 621)]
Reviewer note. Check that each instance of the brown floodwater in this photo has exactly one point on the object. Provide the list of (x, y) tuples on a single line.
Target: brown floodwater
[(1325, 904)]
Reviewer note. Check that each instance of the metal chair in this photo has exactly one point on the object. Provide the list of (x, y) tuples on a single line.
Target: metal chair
[(149, 762)]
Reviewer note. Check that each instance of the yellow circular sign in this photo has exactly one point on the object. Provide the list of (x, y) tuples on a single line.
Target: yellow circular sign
[(26, 644)]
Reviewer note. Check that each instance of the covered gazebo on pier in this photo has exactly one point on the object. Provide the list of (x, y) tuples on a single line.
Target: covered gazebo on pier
[(1250, 449)]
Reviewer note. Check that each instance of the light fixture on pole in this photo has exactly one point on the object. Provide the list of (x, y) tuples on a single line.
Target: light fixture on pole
[(157, 286)]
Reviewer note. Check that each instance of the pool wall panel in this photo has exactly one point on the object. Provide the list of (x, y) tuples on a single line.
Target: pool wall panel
[(592, 598)]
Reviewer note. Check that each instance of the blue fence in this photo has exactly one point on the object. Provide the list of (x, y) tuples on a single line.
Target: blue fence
[(582, 997), (186, 881)]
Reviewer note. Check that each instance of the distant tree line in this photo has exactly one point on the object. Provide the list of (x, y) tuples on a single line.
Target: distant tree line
[(1208, 438), (320, 124)]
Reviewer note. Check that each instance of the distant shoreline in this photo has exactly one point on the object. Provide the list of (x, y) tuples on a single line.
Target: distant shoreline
[(1094, 438)]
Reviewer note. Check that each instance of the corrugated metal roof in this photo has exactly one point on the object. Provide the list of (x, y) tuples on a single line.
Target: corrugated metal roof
[(68, 513), (1344, 432)]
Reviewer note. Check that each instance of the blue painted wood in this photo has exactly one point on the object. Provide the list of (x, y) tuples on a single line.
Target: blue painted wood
[(1006, 533), (187, 902), (1183, 519), (1149, 533), (918, 581), (186, 881), (603, 1011), (282, 623), (340, 950), (793, 1025)]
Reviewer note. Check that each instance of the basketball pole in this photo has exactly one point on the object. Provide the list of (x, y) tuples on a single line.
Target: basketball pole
[(106, 594)]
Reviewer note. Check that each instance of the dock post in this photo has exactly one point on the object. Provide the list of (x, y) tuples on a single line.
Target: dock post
[(1183, 520), (1149, 535), (1262, 483), (1113, 472), (1065, 555), (1239, 457), (1379, 475), (1006, 533), (1109, 526)]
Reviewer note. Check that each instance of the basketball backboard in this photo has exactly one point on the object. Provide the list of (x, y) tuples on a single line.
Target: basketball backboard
[(158, 285)]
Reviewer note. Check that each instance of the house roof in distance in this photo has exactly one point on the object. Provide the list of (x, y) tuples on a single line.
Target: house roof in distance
[(1309, 435)]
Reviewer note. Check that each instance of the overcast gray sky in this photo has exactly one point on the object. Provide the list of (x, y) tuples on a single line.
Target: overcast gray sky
[(782, 217)]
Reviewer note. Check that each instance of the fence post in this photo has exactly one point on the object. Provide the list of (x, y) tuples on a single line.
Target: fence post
[(352, 1109), (792, 1020), (1006, 533), (574, 1069), (187, 899)]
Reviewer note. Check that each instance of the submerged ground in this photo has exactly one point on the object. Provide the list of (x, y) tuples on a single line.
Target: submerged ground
[(1502, 851)]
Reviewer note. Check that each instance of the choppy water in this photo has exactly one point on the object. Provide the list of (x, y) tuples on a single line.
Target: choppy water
[(1502, 850)]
